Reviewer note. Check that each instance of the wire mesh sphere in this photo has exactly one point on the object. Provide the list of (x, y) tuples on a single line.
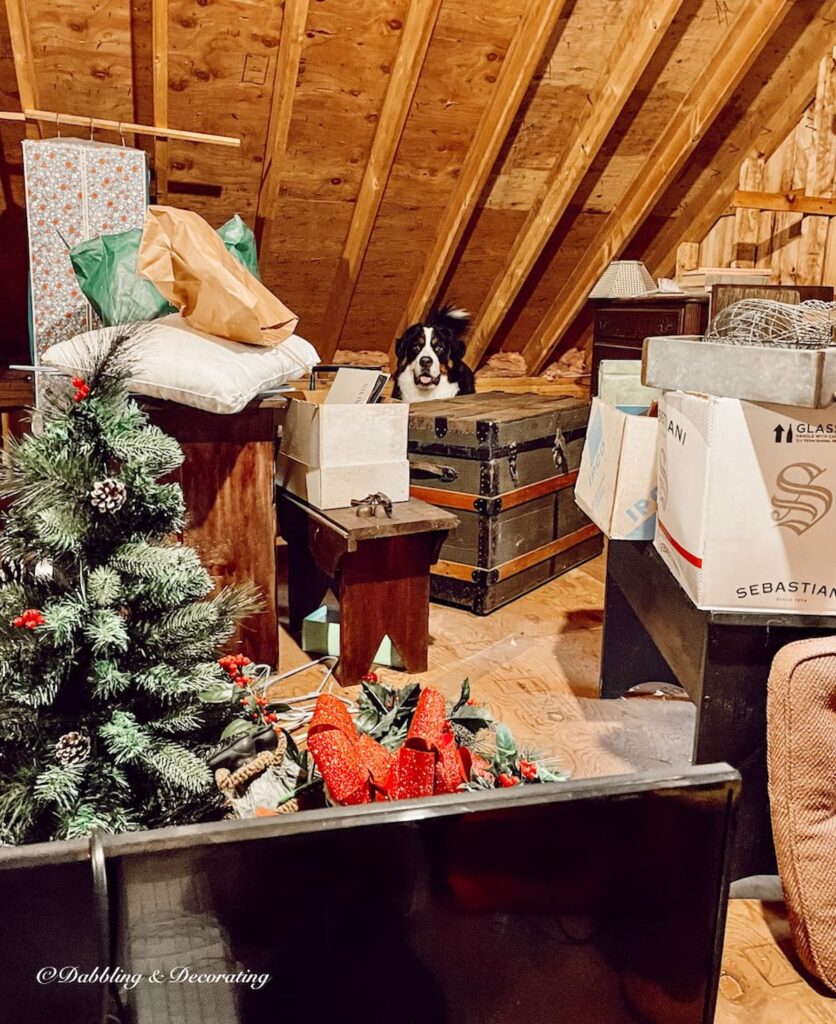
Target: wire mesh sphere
[(766, 322)]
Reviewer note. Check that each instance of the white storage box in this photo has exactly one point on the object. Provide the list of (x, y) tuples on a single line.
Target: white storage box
[(331, 453), (620, 384), (616, 485), (745, 503)]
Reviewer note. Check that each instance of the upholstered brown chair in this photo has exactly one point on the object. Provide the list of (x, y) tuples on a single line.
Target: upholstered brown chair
[(801, 734)]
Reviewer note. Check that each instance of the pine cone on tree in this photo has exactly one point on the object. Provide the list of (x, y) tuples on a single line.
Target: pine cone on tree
[(72, 748), (108, 495), (11, 570)]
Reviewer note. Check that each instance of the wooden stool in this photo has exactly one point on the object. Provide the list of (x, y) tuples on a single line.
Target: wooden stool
[(654, 633), (379, 570)]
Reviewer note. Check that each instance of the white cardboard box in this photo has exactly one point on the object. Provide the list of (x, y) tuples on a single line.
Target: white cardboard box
[(336, 486), (745, 493), (324, 434), (331, 454), (616, 485)]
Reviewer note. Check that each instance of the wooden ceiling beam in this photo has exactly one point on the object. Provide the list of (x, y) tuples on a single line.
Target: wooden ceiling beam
[(754, 25), (23, 61), (294, 18), (518, 68), (770, 118), (638, 40), (159, 34), (415, 40)]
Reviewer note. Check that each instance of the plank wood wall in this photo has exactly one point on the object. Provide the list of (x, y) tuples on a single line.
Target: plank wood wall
[(795, 248), (98, 57)]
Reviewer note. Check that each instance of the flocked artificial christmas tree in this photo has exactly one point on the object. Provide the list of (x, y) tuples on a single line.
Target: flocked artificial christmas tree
[(108, 638)]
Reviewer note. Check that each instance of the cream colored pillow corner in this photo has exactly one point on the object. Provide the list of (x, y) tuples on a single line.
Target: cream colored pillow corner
[(175, 362)]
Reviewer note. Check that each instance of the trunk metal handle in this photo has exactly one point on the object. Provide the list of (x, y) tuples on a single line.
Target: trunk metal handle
[(560, 452), (421, 470)]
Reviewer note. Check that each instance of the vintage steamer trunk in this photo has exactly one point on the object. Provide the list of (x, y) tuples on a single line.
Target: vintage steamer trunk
[(507, 465)]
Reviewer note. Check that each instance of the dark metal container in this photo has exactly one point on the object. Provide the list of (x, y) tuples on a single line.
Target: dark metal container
[(507, 464)]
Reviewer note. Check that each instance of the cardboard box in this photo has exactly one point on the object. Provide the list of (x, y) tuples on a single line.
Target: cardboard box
[(337, 486), (616, 485), (755, 373), (321, 635), (332, 453), (745, 492)]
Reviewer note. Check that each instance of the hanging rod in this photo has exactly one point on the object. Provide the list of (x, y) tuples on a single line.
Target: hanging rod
[(122, 127)]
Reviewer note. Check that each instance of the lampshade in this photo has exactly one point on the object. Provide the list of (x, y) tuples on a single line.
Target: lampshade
[(623, 279)]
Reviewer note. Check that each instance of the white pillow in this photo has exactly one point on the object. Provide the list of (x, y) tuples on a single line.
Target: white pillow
[(175, 362)]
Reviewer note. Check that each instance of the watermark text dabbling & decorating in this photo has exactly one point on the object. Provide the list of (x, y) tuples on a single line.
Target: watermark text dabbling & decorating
[(127, 980)]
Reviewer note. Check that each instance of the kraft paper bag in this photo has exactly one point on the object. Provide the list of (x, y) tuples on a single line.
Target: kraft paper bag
[(189, 264)]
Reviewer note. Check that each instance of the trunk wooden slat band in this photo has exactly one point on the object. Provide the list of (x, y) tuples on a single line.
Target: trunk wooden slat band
[(460, 571), (461, 500)]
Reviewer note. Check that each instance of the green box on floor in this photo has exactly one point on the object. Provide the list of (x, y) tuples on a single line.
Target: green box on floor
[(321, 635)]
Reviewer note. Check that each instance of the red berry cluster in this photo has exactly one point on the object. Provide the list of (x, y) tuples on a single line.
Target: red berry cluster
[(370, 677), (82, 390), (29, 619), (235, 667), (528, 772)]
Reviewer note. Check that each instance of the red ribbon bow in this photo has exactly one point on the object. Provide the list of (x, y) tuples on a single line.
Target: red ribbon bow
[(357, 769)]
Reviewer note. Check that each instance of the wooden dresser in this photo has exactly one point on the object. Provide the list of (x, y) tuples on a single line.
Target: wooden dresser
[(621, 325)]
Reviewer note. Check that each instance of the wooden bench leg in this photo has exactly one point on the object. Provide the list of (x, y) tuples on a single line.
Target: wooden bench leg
[(384, 589), (628, 653)]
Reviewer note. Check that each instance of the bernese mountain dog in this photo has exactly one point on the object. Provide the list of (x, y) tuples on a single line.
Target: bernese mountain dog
[(430, 358)]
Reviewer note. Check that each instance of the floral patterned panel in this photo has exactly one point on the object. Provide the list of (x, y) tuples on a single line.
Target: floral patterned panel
[(75, 190)]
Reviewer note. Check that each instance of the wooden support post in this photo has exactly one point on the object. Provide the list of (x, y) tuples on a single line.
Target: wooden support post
[(641, 34), (281, 109), (521, 61), (687, 257), (747, 221), (159, 31), (820, 176), (415, 40), (752, 29), (23, 61)]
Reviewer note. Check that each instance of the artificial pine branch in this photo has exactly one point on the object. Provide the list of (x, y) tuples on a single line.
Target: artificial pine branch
[(108, 635)]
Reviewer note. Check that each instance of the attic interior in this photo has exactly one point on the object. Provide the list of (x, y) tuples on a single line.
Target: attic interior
[(537, 558)]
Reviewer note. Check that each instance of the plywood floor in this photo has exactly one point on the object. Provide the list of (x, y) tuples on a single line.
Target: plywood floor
[(535, 663)]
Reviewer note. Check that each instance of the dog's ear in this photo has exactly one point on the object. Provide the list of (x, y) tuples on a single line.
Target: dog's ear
[(402, 345), (457, 348)]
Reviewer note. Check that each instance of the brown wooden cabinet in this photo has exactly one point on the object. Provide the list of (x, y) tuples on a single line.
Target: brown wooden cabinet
[(621, 325)]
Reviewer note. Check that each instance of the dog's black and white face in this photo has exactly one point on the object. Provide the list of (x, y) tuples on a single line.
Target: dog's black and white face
[(430, 358)]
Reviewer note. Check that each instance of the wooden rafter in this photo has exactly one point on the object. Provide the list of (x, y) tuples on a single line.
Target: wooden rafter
[(159, 32), (770, 118), (640, 35), (284, 88), (415, 40), (521, 60), (754, 25), (23, 60)]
